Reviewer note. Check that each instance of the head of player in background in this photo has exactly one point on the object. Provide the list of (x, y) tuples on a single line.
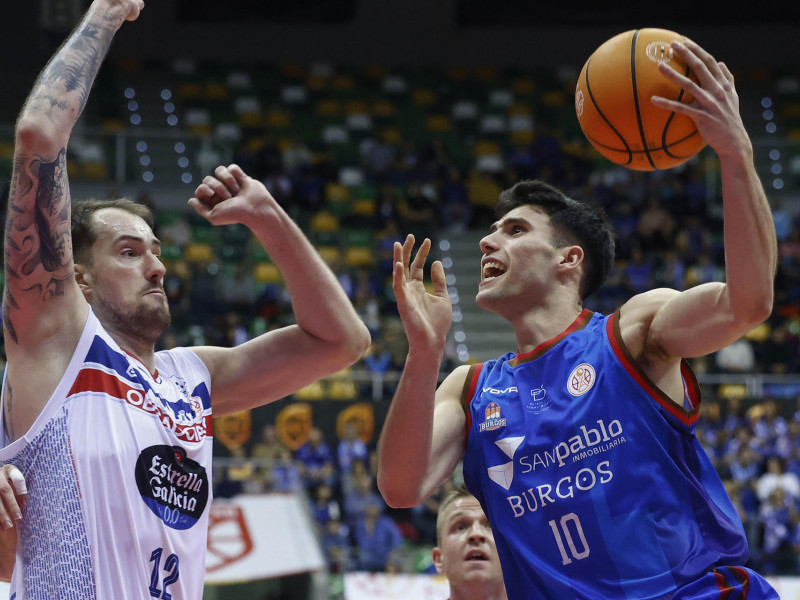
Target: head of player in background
[(118, 267), (466, 553), (542, 241)]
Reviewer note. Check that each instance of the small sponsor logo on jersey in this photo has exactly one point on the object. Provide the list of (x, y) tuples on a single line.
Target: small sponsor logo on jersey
[(581, 379), (500, 392), (172, 485), (539, 401), (493, 420)]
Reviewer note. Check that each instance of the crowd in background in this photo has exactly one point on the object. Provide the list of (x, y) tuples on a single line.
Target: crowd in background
[(667, 235)]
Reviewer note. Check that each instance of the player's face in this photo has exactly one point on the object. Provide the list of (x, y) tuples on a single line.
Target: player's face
[(518, 263), (125, 280), (466, 551)]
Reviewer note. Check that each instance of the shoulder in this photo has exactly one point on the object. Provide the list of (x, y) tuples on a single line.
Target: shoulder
[(636, 316), (182, 361), (456, 384)]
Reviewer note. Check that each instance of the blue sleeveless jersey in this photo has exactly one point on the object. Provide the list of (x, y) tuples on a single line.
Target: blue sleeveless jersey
[(593, 480)]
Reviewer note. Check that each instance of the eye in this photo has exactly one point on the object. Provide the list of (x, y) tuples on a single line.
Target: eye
[(517, 229), (128, 252)]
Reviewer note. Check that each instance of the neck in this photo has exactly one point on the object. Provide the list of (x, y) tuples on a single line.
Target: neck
[(487, 590), (142, 350), (543, 323)]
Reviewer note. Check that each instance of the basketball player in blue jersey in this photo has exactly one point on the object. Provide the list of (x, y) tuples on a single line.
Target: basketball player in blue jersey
[(581, 446), (113, 438)]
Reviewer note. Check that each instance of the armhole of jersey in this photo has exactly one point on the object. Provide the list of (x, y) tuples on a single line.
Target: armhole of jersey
[(4, 437), (467, 393), (691, 387)]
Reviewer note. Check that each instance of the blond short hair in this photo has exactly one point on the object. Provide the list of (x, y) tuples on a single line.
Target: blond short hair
[(450, 498)]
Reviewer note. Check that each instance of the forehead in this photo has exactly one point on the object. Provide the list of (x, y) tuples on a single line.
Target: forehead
[(463, 507), (527, 212), (110, 224)]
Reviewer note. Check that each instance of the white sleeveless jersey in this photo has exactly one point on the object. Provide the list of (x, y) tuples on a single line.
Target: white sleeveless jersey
[(118, 468)]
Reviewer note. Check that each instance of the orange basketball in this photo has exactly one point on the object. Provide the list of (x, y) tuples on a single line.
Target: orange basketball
[(613, 104)]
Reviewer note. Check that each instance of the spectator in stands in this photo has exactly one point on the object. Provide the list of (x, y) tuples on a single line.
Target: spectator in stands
[(325, 507), (350, 449), (336, 546), (465, 552), (376, 536), (738, 357), (315, 460), (776, 477), (358, 497), (778, 517), (284, 476), (767, 424)]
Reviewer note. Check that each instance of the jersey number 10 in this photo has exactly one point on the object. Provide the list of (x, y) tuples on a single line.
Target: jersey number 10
[(563, 526)]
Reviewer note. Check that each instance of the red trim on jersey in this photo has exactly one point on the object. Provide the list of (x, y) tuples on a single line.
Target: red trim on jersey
[(468, 393), (139, 360), (726, 589), (691, 387), (96, 381), (579, 323)]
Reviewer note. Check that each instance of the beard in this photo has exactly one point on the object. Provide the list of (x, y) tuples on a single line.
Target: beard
[(145, 321)]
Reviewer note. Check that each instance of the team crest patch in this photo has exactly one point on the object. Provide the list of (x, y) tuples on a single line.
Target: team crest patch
[(494, 419), (581, 379)]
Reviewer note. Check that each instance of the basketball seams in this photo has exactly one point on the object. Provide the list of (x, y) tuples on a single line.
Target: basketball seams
[(602, 116), (638, 110)]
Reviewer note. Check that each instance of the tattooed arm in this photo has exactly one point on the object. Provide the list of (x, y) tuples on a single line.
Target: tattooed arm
[(43, 308)]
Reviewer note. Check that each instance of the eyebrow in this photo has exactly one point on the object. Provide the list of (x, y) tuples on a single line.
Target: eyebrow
[(509, 221), (136, 238)]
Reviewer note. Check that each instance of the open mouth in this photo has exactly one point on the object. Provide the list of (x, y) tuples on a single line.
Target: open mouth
[(476, 555), (492, 269)]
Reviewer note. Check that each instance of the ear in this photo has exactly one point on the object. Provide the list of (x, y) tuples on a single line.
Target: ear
[(84, 280), (437, 560), (571, 258)]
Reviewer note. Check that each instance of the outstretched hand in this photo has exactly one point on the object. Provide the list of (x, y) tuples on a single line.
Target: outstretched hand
[(426, 317), (230, 196), (715, 110)]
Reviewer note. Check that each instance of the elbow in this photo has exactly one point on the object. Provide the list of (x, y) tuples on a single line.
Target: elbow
[(357, 343), (761, 309), (36, 135), (396, 496)]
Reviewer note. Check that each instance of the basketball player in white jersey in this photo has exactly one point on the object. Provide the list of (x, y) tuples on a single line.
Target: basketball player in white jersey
[(113, 438)]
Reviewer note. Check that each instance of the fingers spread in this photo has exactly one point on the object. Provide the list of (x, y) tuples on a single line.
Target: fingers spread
[(417, 267)]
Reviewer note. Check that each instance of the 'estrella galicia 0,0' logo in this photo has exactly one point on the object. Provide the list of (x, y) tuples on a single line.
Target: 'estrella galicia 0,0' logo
[(173, 486)]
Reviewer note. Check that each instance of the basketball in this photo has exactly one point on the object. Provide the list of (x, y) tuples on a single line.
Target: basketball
[(612, 101)]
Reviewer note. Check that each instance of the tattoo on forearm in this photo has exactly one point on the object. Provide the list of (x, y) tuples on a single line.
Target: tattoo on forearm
[(54, 240), (37, 236), (73, 69)]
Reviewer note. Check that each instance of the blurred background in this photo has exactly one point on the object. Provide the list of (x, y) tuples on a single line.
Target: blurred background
[(371, 120)]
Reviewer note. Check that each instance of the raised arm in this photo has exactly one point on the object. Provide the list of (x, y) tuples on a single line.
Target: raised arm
[(43, 309), (708, 317), (424, 434), (328, 335), (38, 251)]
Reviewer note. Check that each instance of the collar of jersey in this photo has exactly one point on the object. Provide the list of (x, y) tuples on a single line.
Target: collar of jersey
[(579, 323)]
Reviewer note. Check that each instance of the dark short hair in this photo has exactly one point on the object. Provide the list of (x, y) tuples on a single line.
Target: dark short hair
[(450, 497), (82, 225), (573, 222)]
